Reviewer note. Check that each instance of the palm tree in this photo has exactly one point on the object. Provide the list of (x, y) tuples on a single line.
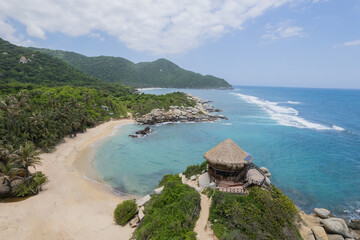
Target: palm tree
[(27, 156)]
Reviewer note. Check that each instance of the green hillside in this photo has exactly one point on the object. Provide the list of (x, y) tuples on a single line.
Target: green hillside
[(22, 65), (160, 73)]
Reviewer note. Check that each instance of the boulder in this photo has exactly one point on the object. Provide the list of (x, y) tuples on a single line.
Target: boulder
[(158, 191), (199, 189), (5, 186), (322, 212), (267, 175), (337, 226), (319, 233), (267, 181), (193, 178), (212, 185), (141, 202), (134, 222), (306, 233), (335, 237), (354, 224), (204, 180), (264, 169), (141, 214), (183, 179), (223, 117)]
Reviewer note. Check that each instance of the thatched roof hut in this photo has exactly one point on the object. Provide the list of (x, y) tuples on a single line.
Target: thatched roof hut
[(228, 156)]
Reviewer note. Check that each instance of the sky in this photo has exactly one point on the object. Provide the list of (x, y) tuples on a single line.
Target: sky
[(289, 43)]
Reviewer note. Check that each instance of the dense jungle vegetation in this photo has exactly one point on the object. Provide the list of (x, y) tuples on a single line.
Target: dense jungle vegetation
[(43, 100), (262, 214), (159, 73), (171, 215)]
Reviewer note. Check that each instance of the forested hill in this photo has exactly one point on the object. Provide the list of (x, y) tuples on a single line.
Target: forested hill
[(160, 73), (23, 65)]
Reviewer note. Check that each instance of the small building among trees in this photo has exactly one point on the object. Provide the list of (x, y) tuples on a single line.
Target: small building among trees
[(227, 161)]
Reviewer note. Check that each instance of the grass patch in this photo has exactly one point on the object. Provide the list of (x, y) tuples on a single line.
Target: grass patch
[(125, 211), (195, 169), (171, 215), (263, 214)]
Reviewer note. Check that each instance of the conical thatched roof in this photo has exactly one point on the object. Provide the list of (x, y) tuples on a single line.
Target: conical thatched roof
[(228, 155)]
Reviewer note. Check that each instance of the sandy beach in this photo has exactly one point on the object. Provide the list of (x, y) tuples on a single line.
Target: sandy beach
[(69, 207)]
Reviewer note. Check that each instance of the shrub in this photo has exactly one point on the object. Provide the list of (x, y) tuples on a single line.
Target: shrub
[(263, 214), (171, 215), (125, 211), (195, 169), (31, 186)]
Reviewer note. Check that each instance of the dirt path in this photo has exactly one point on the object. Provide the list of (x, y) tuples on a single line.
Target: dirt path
[(201, 228)]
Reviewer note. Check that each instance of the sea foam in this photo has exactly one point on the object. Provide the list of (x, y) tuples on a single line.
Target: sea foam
[(286, 116)]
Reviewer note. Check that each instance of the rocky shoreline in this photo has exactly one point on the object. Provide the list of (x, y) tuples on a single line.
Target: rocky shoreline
[(322, 225), (201, 112)]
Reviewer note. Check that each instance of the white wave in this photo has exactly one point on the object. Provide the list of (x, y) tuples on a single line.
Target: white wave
[(338, 128), (228, 124), (292, 102), (286, 116)]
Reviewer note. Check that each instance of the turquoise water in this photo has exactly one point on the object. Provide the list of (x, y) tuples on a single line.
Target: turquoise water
[(308, 138)]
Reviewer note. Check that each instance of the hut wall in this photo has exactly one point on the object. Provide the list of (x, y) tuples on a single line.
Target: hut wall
[(220, 174)]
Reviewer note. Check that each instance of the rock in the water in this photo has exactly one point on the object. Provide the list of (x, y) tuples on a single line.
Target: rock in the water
[(142, 133), (264, 170), (158, 191), (212, 185), (141, 214), (335, 237), (223, 117), (306, 233), (337, 226), (141, 202), (204, 180), (5, 186), (134, 222), (354, 224), (322, 212), (193, 178), (319, 233)]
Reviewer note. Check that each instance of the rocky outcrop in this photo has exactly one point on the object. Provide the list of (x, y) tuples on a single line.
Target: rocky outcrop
[(23, 59), (354, 224), (319, 233), (201, 112), (7, 186), (204, 180), (337, 226), (322, 212), (142, 133), (141, 202), (306, 233), (335, 237)]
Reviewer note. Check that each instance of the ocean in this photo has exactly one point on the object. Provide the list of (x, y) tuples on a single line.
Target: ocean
[(309, 139)]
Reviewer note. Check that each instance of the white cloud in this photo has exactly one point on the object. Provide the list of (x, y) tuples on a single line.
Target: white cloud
[(8, 32), (282, 30), (157, 26), (352, 43)]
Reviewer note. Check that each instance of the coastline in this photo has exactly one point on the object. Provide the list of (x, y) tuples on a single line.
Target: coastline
[(69, 207)]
